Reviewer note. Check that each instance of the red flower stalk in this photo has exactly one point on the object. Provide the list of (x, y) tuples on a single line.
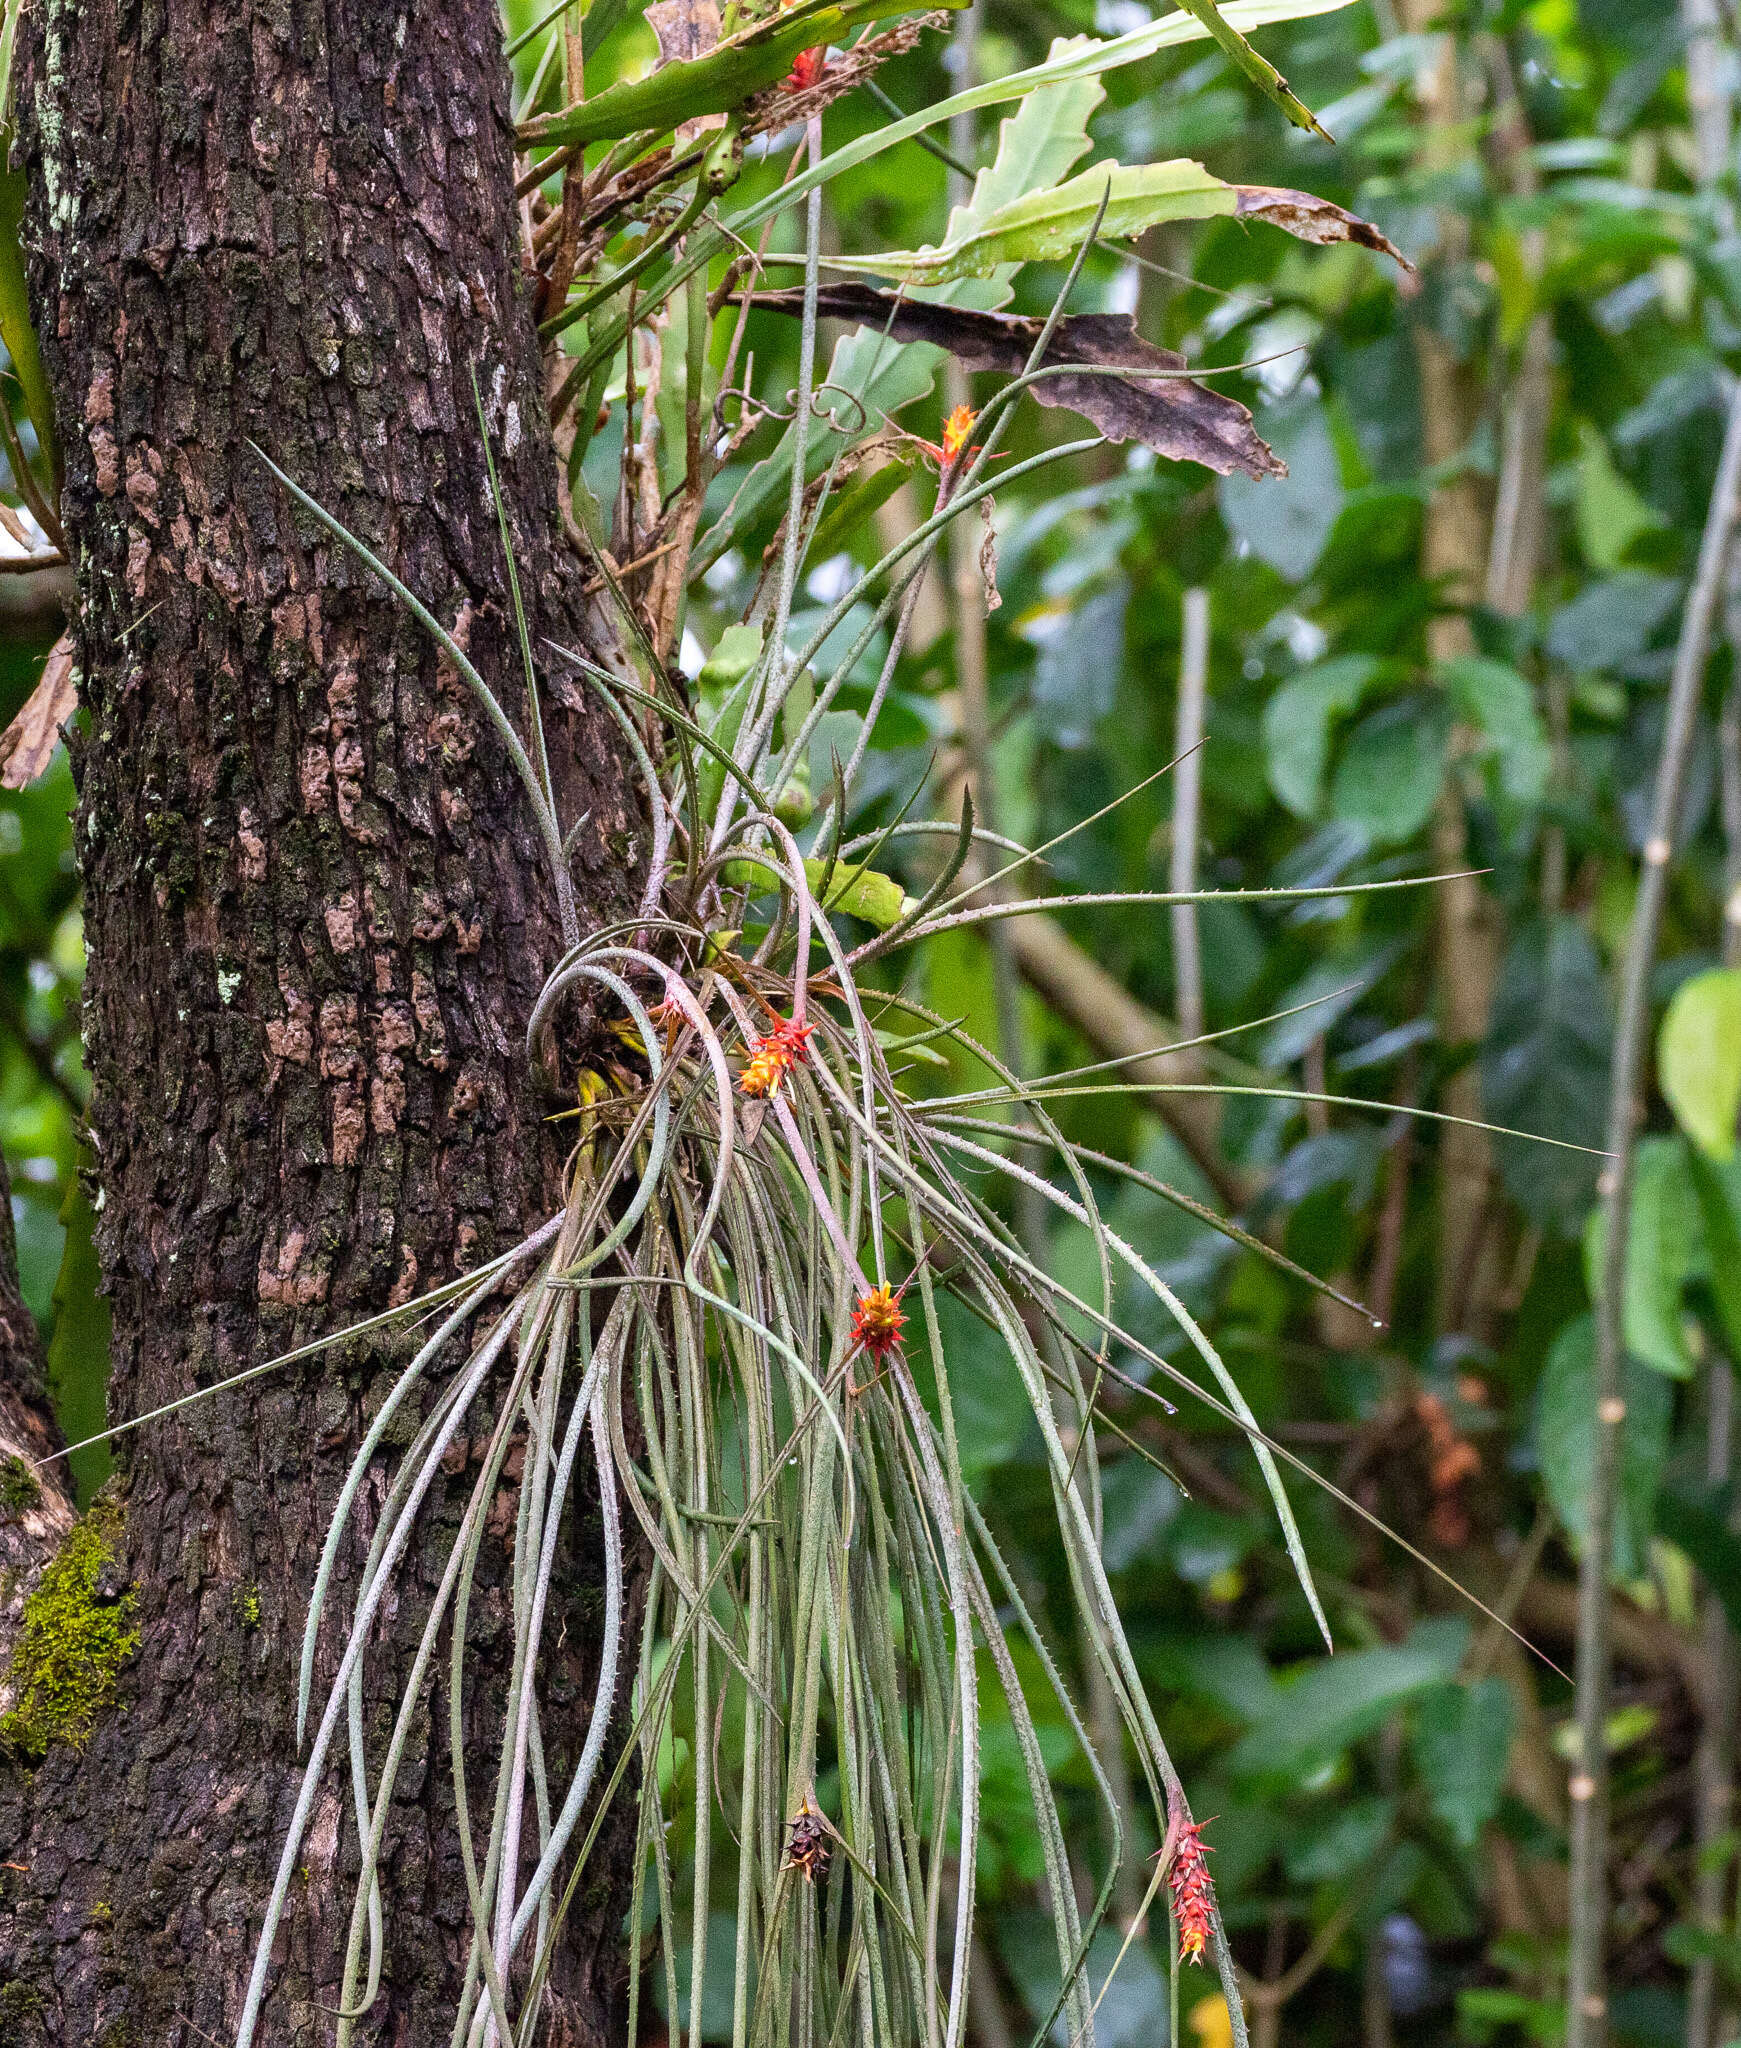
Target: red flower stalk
[(878, 1322), (1193, 1893), (773, 1057)]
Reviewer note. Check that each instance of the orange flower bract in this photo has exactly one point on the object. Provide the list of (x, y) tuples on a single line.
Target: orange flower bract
[(878, 1322), (772, 1058), (1193, 1893), (807, 69)]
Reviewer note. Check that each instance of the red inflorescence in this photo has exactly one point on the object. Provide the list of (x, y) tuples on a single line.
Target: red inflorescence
[(773, 1057), (878, 1323), (1193, 1894), (807, 69)]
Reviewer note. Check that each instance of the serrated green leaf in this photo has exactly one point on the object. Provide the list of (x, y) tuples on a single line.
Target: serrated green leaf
[(1089, 61), (1049, 225), (1037, 145), (1698, 1059)]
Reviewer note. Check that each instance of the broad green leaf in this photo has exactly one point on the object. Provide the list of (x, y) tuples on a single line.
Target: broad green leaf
[(1700, 1519), (1665, 1250), (1334, 1703), (1296, 727), (732, 659), (994, 1419), (1287, 522), (1565, 1424), (1077, 675), (1718, 1188), (1544, 1068), (849, 509), (1345, 1842), (1387, 780), (715, 84), (1492, 696), (882, 376), (1462, 1743), (1611, 622), (1610, 513), (1137, 1502), (1049, 225), (1698, 1059)]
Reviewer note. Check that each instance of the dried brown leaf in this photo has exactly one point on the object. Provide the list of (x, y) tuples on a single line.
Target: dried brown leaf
[(1318, 220), (1172, 413), (28, 743)]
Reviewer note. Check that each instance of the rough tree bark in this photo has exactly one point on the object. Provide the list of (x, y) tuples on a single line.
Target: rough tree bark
[(316, 920), (36, 1509)]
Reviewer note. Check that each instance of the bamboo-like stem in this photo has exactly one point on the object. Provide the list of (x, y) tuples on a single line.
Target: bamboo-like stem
[(1710, 95), (1587, 2003), (1714, 1759), (1188, 809)]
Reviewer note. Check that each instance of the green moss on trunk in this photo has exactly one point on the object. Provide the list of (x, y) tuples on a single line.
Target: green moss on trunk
[(74, 1640)]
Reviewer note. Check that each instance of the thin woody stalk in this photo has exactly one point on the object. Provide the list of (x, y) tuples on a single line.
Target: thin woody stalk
[(1587, 2002)]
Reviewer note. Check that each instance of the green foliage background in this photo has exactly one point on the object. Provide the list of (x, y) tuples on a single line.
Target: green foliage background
[(1402, 1804)]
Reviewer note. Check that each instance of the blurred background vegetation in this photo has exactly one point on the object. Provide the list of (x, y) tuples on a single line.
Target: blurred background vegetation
[(1441, 644)]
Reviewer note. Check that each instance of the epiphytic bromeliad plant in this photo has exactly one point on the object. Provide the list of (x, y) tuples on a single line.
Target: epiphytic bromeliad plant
[(734, 1320)]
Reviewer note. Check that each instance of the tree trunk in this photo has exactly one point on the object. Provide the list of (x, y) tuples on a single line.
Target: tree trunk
[(317, 920), (36, 1509), (1454, 555)]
